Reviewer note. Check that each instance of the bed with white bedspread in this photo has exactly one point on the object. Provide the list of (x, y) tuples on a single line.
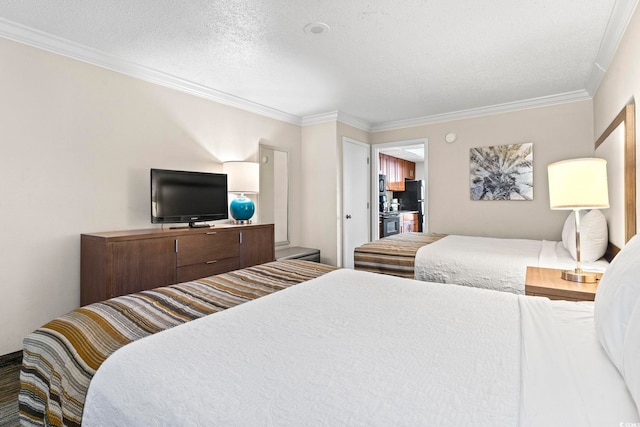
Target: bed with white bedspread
[(492, 263), (356, 348)]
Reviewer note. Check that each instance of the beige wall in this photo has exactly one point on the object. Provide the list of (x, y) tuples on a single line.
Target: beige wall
[(557, 132), (77, 145), (621, 83), (322, 186), (620, 86), (319, 160), (348, 131)]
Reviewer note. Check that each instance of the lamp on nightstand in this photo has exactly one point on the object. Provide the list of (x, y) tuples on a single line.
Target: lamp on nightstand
[(243, 178), (578, 184)]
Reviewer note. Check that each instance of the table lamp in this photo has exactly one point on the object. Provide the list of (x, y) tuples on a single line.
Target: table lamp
[(242, 178), (578, 184)]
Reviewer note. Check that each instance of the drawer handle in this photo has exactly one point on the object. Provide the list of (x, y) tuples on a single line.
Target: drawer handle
[(212, 262), (211, 232)]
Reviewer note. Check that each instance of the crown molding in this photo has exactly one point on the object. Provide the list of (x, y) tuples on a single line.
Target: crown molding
[(616, 27), (316, 119), (354, 121), (580, 95), (39, 39), (337, 116)]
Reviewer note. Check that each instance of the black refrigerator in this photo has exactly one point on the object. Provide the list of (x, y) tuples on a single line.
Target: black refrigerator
[(412, 199)]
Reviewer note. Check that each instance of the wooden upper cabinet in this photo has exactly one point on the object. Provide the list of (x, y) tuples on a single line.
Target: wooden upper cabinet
[(392, 176), (396, 171), (386, 169), (398, 182), (386, 164), (409, 170)]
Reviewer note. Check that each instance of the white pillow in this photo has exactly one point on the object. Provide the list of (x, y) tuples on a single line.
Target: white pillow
[(631, 355), (617, 297), (569, 231), (594, 236)]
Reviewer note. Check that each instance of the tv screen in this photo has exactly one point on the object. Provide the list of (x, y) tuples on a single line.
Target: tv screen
[(181, 196)]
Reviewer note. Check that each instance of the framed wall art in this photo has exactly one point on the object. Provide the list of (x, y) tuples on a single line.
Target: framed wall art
[(501, 172)]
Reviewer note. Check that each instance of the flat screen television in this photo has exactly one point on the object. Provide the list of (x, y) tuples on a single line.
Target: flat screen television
[(188, 197)]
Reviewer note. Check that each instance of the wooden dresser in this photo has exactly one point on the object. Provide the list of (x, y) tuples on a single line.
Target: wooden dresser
[(122, 262)]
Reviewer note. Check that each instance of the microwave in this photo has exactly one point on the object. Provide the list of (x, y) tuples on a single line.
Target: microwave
[(390, 225), (382, 184)]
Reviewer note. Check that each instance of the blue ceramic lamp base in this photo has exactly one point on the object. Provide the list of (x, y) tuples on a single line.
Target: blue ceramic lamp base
[(242, 209)]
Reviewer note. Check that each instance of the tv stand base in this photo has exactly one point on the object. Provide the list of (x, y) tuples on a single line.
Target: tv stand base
[(191, 225)]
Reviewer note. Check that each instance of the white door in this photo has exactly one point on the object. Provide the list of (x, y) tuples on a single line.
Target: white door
[(355, 198)]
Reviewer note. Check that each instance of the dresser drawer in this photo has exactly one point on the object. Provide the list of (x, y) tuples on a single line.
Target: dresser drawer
[(204, 269), (207, 247)]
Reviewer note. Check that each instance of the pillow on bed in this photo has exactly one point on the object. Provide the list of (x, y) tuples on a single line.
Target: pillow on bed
[(594, 236), (568, 231), (616, 309)]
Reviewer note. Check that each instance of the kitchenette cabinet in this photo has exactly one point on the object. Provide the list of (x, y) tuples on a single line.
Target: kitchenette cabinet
[(409, 222), (396, 171)]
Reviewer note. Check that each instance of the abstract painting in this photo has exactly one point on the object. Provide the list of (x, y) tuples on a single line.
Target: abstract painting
[(502, 172)]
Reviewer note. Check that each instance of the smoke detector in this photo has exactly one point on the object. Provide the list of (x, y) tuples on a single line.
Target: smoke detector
[(316, 28)]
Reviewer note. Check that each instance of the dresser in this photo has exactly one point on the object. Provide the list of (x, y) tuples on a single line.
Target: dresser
[(117, 263)]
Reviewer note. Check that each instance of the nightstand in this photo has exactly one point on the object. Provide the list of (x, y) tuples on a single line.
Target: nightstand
[(546, 282)]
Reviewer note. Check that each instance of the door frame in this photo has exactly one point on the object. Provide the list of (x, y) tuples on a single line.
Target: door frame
[(346, 140), (375, 170)]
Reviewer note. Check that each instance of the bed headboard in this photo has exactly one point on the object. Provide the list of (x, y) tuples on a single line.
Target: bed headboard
[(617, 145)]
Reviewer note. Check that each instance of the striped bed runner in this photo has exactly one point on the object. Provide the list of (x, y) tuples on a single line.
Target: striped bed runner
[(394, 255), (61, 357)]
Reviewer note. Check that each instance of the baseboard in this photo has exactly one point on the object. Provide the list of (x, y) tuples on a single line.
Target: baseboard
[(14, 358)]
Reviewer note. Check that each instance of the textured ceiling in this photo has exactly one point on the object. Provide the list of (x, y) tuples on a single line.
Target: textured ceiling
[(383, 61)]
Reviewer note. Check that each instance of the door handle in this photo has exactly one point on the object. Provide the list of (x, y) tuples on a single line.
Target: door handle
[(348, 216)]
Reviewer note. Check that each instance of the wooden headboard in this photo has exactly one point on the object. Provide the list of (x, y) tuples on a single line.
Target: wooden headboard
[(617, 145)]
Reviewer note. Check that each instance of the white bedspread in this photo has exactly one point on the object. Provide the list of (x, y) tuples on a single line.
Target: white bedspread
[(491, 263), (349, 348)]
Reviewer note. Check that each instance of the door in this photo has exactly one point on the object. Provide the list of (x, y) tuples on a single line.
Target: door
[(419, 170), (355, 198)]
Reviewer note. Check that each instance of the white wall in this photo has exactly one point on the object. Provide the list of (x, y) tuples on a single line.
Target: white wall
[(557, 132), (77, 145)]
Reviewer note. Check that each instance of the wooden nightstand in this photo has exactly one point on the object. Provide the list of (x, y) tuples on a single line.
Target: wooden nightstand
[(546, 282)]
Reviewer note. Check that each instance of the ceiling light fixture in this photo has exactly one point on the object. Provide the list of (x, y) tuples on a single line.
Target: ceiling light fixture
[(316, 28)]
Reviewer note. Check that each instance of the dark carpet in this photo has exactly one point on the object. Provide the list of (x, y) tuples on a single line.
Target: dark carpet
[(9, 387)]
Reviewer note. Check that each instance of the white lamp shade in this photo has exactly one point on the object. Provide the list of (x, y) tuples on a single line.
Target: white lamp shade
[(578, 184), (242, 177)]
